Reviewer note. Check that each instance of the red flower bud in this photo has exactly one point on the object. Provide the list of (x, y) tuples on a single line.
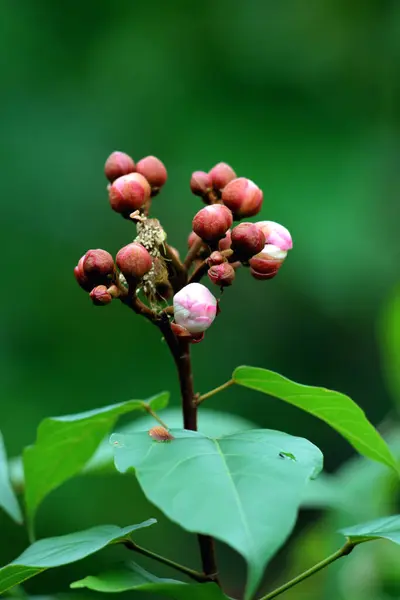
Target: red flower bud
[(200, 183), (215, 258), (129, 193), (96, 267), (247, 240), (221, 175), (243, 197), (267, 263), (153, 170), (100, 296), (226, 241), (212, 222), (222, 275), (134, 261), (118, 164)]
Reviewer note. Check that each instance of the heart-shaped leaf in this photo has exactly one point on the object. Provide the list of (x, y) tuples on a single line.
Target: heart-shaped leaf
[(132, 577), (387, 528), (62, 550), (65, 444), (8, 500), (336, 409), (244, 489)]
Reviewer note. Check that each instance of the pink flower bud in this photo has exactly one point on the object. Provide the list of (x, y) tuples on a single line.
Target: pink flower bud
[(100, 296), (194, 307), (192, 239), (212, 222), (96, 267), (134, 261), (226, 241), (118, 164), (243, 197), (200, 183), (129, 193), (266, 264), (222, 275), (247, 240), (153, 170), (215, 258), (221, 175), (276, 234)]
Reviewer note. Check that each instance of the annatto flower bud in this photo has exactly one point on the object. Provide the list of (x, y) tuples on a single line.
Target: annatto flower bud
[(129, 193), (215, 258), (195, 307), (94, 268), (276, 234), (153, 169), (100, 296), (118, 164), (134, 261), (243, 197), (200, 183), (222, 275), (212, 222), (221, 175), (266, 264), (247, 240), (226, 241)]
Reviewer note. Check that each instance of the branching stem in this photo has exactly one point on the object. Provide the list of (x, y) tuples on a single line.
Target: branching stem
[(220, 388)]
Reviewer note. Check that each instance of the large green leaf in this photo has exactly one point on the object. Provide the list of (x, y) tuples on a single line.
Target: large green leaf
[(65, 444), (244, 489), (62, 550), (132, 577), (8, 500), (389, 330), (336, 409), (387, 528)]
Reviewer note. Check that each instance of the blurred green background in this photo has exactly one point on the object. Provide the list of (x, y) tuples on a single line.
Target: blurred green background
[(301, 97)]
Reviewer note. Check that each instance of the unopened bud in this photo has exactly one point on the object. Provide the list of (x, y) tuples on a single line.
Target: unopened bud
[(266, 264), (200, 183), (222, 275), (134, 261), (243, 197), (96, 267), (100, 296), (215, 258), (221, 175), (194, 307), (276, 234), (226, 241), (118, 164), (212, 222), (153, 169), (247, 240), (129, 193)]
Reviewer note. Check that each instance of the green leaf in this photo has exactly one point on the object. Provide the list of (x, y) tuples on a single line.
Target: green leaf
[(389, 331), (240, 488), (65, 444), (387, 528), (336, 409), (132, 577), (62, 550), (8, 499)]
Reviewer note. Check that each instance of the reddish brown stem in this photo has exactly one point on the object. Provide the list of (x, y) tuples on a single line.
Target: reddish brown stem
[(199, 272)]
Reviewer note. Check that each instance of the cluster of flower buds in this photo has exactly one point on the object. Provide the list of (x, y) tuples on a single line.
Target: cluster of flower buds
[(149, 267)]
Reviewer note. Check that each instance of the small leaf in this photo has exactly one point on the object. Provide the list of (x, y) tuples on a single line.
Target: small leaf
[(387, 528), (236, 488), (132, 577), (336, 409), (62, 550), (8, 499), (65, 444)]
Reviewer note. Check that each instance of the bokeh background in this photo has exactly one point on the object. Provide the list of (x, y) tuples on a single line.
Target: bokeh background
[(301, 97)]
